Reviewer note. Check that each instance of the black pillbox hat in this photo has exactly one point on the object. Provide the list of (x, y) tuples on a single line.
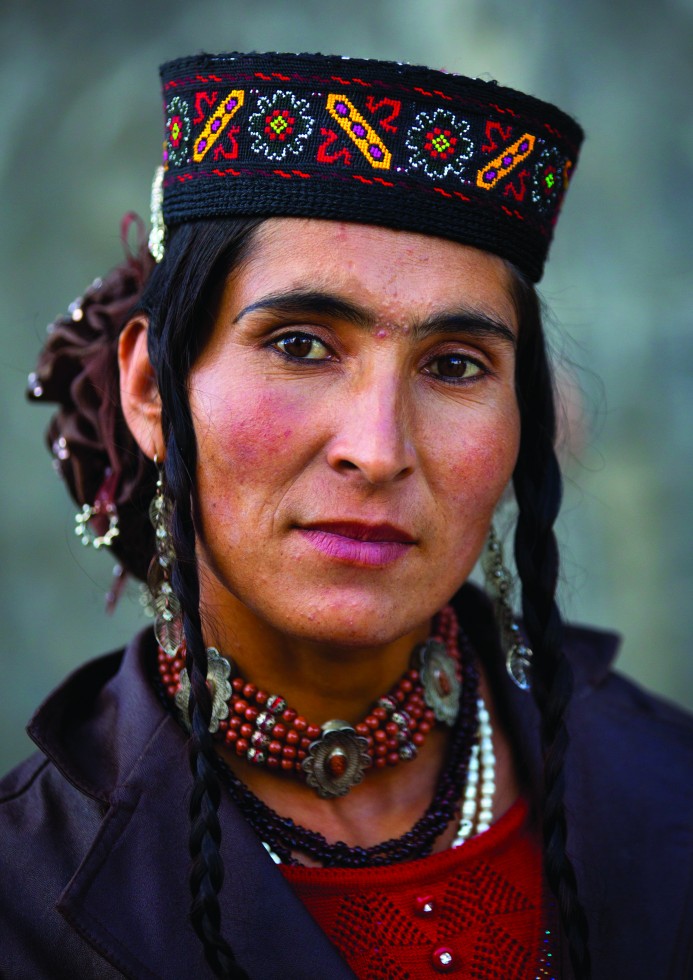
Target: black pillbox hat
[(374, 142)]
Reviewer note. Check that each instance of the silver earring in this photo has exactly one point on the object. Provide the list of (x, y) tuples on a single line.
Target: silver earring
[(168, 621), (97, 524), (218, 674), (518, 656)]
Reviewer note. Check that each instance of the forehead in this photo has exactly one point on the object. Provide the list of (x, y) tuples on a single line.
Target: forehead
[(393, 273)]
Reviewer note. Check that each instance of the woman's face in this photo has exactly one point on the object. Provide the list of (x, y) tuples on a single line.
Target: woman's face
[(356, 420)]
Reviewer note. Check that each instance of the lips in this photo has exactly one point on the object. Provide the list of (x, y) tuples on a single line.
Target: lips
[(357, 543), (359, 531)]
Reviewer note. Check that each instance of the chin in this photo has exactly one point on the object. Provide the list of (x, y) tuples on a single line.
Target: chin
[(357, 621)]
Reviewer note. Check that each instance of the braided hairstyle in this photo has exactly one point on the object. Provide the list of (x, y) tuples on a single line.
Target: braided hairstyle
[(180, 297), (538, 490), (180, 303)]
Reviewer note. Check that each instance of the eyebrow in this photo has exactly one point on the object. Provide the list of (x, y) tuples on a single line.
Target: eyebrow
[(302, 302), (299, 302)]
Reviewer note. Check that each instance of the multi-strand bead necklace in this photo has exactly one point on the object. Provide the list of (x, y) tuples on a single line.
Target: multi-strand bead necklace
[(440, 686), (261, 727)]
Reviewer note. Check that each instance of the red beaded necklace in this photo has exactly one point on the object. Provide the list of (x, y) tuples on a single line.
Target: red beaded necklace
[(332, 757)]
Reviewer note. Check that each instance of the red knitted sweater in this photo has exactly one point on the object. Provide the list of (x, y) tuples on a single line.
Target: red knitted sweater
[(473, 911)]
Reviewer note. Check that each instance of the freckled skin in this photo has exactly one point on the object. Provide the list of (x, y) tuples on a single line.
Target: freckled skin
[(366, 434)]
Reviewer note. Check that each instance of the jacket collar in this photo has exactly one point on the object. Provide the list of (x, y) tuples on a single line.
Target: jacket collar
[(92, 727), (126, 751)]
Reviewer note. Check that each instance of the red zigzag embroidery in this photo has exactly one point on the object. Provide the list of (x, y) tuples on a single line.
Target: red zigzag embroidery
[(495, 127), (324, 156), (394, 104), (219, 152), (518, 192), (206, 99)]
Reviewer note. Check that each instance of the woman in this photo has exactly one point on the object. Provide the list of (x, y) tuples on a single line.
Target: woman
[(297, 427)]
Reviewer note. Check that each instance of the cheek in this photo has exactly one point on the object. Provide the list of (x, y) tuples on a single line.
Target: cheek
[(250, 435), (478, 465)]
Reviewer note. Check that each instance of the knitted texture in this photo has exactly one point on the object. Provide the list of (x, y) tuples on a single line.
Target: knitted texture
[(474, 911), (368, 141)]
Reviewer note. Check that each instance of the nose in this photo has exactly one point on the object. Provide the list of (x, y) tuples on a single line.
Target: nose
[(371, 434)]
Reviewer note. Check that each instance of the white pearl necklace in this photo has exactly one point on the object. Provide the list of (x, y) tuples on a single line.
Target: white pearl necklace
[(477, 806)]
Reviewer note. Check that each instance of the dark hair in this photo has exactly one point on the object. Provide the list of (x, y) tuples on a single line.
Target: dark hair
[(180, 302), (538, 490), (180, 298)]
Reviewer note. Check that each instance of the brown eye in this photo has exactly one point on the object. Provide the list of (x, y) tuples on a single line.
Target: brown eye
[(454, 367), (302, 347)]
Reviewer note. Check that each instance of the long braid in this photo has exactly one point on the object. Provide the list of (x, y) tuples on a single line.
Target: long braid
[(207, 869), (538, 489), (176, 336)]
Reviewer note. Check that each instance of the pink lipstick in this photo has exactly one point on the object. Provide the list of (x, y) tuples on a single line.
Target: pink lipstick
[(356, 543)]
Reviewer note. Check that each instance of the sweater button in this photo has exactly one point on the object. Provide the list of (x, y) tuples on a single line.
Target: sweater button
[(425, 905), (443, 960)]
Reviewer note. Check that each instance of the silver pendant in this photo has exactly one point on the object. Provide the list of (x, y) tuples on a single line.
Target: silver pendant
[(337, 760), (518, 663), (218, 671), (440, 682)]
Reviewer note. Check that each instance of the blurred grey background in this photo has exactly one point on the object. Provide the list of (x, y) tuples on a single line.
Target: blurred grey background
[(81, 118)]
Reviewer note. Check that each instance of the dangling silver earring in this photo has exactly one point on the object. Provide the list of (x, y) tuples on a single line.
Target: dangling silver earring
[(97, 524), (168, 622), (518, 656)]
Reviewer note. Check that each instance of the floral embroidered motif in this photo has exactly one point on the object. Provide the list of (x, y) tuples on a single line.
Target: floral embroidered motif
[(439, 144), (362, 135), (489, 175), (281, 125), (217, 122), (550, 178), (177, 133)]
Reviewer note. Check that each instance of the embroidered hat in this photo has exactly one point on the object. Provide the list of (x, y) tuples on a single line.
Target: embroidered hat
[(368, 141)]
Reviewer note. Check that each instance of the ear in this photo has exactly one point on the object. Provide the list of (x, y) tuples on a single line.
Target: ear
[(139, 395)]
